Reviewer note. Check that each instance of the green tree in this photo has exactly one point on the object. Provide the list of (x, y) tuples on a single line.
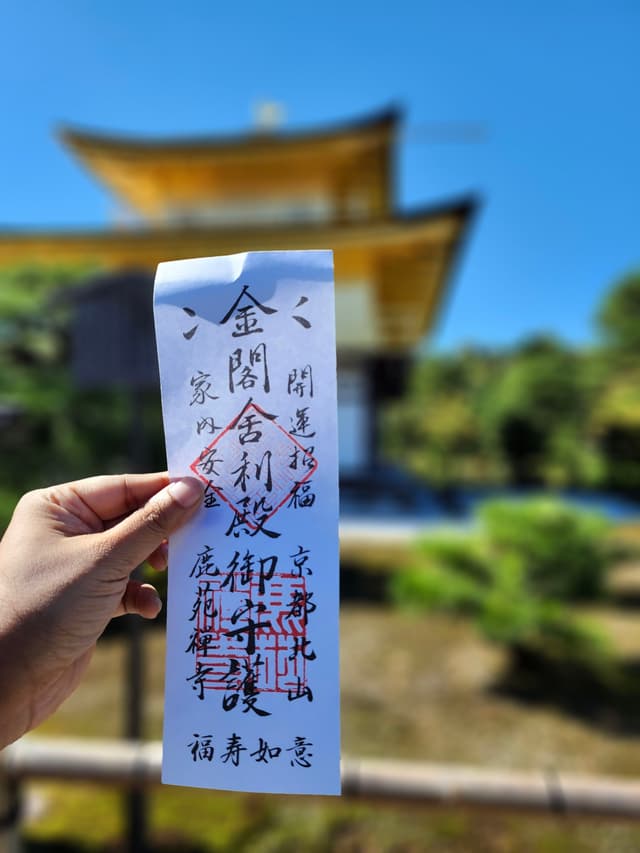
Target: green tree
[(434, 431), (619, 318), (615, 415), (534, 414)]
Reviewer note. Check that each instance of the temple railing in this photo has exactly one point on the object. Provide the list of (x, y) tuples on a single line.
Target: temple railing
[(137, 764)]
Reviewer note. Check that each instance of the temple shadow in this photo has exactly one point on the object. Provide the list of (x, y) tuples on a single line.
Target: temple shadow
[(605, 698), (627, 600), (359, 585)]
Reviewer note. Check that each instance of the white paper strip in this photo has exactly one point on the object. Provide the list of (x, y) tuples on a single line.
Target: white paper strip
[(246, 346)]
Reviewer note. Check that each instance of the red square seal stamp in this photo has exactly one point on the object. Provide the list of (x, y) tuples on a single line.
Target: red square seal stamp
[(255, 466)]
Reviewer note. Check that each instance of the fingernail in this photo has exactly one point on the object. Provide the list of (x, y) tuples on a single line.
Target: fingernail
[(187, 491), (158, 602)]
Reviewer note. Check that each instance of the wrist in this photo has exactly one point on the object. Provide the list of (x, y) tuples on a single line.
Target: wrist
[(15, 676)]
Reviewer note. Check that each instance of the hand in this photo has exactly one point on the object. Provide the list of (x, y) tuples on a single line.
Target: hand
[(65, 565)]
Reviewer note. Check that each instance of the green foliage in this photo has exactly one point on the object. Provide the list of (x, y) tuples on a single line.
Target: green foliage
[(615, 426), (27, 290), (539, 414), (514, 575), (618, 317), (519, 417), (563, 550), (52, 431), (34, 312), (434, 430), (538, 396)]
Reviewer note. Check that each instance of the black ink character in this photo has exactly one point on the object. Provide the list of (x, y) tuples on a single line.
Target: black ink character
[(192, 646), (203, 604), (237, 685), (204, 564), (265, 753), (300, 692), (251, 627), (199, 642), (191, 313), (302, 458), (202, 748), (246, 319), (240, 523), (301, 605), (243, 472), (208, 460), (299, 648), (301, 754), (247, 429), (244, 367), (246, 569), (201, 388), (234, 748), (207, 426), (300, 381), (300, 424), (262, 471), (199, 677), (302, 320), (250, 692), (301, 496), (300, 560), (210, 495)]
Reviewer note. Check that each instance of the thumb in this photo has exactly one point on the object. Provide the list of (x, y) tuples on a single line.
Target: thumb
[(135, 537)]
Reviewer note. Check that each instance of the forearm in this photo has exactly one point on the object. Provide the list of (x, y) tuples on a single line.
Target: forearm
[(15, 703)]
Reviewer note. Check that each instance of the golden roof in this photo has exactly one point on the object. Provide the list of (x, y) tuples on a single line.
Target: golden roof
[(402, 262), (322, 189), (156, 177)]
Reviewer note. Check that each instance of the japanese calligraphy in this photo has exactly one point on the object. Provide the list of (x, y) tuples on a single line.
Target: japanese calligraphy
[(246, 349), (202, 748)]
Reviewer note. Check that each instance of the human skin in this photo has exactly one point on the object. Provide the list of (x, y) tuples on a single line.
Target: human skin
[(65, 571)]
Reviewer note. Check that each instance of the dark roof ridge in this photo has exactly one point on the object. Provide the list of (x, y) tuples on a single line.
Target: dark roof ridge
[(74, 135)]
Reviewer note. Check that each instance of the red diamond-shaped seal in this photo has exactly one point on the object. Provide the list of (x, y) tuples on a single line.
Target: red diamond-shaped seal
[(255, 465)]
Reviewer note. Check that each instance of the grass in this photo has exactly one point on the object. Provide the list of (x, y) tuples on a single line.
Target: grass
[(418, 688)]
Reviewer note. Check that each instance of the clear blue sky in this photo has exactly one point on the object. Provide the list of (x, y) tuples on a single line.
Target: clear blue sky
[(556, 84)]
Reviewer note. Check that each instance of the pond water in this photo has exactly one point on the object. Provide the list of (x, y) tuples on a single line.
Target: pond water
[(390, 496)]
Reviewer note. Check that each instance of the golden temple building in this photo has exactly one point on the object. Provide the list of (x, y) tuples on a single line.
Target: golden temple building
[(328, 189)]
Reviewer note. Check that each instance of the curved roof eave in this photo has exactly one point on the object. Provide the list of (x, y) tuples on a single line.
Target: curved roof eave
[(87, 141)]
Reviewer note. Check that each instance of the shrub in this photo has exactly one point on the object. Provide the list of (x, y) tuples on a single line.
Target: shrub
[(564, 550), (514, 574)]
